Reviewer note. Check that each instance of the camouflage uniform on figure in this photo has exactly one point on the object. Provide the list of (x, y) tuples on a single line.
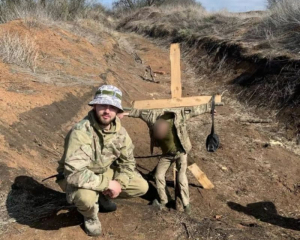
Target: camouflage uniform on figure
[(175, 146), (94, 156)]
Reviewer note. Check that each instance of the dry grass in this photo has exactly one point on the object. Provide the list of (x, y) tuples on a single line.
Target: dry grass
[(18, 50), (273, 32), (82, 17), (91, 29), (184, 23), (23, 11), (282, 26), (54, 10), (262, 47)]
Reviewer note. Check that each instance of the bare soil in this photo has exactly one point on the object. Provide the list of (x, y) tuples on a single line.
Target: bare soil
[(255, 171)]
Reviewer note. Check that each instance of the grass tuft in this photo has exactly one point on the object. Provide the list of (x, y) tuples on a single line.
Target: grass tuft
[(22, 51)]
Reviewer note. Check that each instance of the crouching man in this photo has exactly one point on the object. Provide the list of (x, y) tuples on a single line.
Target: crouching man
[(98, 163)]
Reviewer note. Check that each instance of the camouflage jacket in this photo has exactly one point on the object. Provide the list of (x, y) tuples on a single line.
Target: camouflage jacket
[(90, 152), (181, 116)]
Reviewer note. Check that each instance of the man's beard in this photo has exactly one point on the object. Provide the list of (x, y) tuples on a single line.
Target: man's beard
[(105, 122)]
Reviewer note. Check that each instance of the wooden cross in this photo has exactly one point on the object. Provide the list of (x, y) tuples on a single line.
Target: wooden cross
[(176, 90), (178, 101)]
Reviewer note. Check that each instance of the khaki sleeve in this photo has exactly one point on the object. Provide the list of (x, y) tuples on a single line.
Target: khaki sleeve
[(126, 163), (136, 113), (78, 157), (197, 110), (144, 114)]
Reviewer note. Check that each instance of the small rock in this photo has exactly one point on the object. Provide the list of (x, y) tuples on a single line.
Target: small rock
[(218, 217), (224, 168), (275, 143)]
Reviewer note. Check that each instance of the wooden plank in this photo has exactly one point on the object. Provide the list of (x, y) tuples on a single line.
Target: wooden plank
[(174, 102), (200, 176), (176, 90), (175, 179)]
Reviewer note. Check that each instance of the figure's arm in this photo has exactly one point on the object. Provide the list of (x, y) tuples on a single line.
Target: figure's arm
[(126, 163), (150, 117), (197, 110), (136, 113), (139, 113), (78, 157)]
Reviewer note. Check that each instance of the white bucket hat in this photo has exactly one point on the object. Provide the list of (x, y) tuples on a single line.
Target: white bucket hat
[(108, 95)]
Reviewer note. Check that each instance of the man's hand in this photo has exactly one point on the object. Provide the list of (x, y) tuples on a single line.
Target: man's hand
[(121, 115), (113, 190)]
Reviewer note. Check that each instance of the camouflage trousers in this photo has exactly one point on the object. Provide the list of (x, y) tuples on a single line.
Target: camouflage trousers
[(86, 200), (160, 177)]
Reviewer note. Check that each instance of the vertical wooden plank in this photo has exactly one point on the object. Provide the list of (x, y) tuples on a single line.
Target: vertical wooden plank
[(176, 90)]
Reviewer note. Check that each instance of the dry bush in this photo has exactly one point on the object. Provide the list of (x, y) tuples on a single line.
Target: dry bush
[(22, 10), (129, 5), (18, 50), (279, 31), (283, 23), (272, 3), (85, 18), (50, 10)]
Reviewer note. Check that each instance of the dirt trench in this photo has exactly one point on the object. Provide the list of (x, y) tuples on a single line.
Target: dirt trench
[(256, 175)]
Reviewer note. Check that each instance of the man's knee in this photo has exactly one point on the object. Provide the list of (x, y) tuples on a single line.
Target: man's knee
[(143, 187), (84, 198), (137, 187)]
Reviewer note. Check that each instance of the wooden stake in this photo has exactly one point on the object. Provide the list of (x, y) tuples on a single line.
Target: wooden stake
[(201, 176), (176, 89)]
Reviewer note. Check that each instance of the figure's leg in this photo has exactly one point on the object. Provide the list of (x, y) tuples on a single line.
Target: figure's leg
[(137, 187), (181, 165), (85, 201), (160, 179)]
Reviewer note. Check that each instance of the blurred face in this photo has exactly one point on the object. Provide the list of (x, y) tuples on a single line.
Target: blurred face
[(105, 113), (161, 128)]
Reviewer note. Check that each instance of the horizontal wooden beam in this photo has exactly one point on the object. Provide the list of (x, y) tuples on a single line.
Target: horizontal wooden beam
[(174, 102)]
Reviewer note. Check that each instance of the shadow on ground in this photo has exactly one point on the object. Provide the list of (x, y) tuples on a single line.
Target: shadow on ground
[(31, 203), (266, 212)]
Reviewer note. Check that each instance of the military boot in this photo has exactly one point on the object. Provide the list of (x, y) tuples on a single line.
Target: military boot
[(159, 205), (92, 223), (105, 204)]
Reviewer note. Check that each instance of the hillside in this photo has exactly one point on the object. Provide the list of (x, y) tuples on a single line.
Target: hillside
[(43, 94), (255, 55)]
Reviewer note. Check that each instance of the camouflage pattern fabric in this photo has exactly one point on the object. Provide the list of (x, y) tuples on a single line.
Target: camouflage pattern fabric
[(91, 151), (181, 116)]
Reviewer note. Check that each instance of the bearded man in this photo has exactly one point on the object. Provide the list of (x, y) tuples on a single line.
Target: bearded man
[(98, 162)]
